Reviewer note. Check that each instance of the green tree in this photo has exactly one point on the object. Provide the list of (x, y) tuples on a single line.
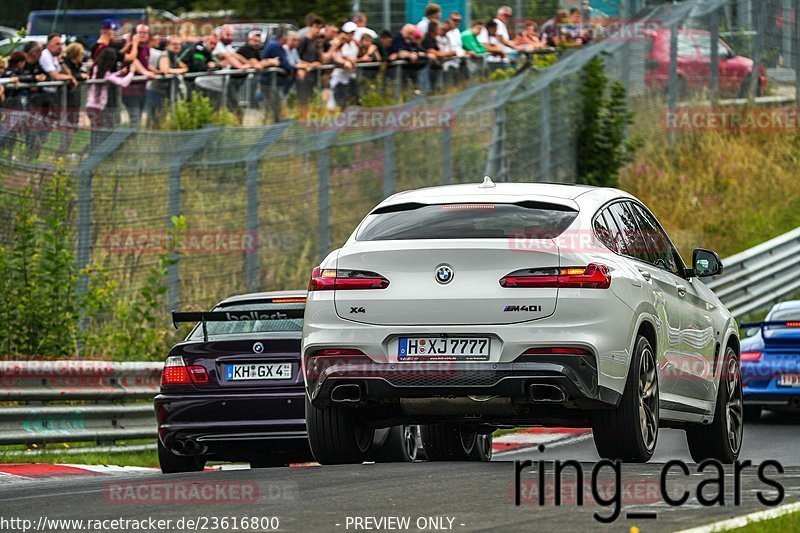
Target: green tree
[(602, 146)]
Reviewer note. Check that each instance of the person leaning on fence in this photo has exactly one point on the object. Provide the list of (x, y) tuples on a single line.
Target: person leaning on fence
[(73, 63), (100, 114), (251, 51), (361, 28), (438, 48), (488, 38), (550, 32), (345, 56), (50, 63), (310, 58), (16, 73), (169, 63), (528, 40), (5, 79), (136, 54), (406, 46)]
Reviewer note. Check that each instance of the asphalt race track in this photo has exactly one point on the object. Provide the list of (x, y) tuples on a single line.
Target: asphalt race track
[(437, 496)]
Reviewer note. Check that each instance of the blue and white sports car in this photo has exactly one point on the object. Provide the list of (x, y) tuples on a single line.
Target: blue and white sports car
[(771, 361)]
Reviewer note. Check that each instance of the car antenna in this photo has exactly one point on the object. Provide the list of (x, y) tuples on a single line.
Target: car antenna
[(487, 183)]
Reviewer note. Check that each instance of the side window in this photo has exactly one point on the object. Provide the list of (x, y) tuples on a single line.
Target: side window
[(603, 233), (625, 231), (686, 46), (656, 240)]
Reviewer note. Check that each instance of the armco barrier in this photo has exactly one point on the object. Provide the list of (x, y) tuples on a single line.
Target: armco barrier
[(95, 401), (754, 279), (77, 401)]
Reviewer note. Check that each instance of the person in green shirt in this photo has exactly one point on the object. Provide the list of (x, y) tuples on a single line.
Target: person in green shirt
[(469, 38)]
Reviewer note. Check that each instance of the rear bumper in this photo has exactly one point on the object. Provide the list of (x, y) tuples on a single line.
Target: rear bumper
[(218, 421), (575, 375)]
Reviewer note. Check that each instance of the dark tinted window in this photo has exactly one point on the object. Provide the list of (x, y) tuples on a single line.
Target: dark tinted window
[(663, 254), (602, 229), (466, 221), (244, 327), (624, 228)]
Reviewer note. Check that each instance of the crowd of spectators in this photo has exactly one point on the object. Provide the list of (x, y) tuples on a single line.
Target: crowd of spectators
[(322, 55)]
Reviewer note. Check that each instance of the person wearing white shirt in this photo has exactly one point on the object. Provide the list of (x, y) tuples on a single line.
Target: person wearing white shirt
[(433, 13), (345, 55), (501, 35), (50, 63)]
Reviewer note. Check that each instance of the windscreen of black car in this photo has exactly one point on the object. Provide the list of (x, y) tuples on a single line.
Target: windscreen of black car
[(539, 220), (244, 327)]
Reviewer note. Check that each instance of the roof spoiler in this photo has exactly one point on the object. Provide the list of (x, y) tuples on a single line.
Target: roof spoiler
[(182, 317), (771, 324)]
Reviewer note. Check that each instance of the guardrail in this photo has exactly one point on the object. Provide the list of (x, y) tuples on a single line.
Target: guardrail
[(47, 402), (753, 279)]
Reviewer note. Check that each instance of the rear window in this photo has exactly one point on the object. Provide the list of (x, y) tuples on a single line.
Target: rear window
[(786, 314), (466, 221), (245, 327)]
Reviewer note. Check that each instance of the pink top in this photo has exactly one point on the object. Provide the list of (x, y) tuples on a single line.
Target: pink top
[(97, 95)]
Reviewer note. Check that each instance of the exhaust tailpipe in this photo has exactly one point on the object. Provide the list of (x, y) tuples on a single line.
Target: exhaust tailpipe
[(177, 446), (545, 392), (795, 402), (347, 393)]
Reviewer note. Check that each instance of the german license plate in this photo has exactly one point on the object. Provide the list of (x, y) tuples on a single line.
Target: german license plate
[(263, 371), (789, 380), (443, 348)]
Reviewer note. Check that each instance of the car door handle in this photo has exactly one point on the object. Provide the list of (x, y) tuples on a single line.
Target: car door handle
[(681, 290), (645, 274)]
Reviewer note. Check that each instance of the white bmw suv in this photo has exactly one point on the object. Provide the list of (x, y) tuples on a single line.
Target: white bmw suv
[(465, 308)]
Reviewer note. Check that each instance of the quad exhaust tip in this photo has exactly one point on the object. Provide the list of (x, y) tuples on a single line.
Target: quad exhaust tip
[(544, 392), (347, 393)]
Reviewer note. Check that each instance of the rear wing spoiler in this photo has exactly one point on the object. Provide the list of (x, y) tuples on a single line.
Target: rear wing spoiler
[(182, 317), (771, 324)]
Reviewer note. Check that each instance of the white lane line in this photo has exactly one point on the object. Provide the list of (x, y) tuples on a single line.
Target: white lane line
[(563, 442), (741, 521)]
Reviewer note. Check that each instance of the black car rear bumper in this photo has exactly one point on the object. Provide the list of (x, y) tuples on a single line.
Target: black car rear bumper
[(220, 422)]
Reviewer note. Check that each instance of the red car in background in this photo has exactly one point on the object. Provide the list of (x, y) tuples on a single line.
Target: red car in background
[(694, 64)]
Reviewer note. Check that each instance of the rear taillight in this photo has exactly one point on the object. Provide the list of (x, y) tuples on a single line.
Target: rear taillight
[(329, 279), (793, 324), (556, 350), (593, 276), (177, 373), (751, 356)]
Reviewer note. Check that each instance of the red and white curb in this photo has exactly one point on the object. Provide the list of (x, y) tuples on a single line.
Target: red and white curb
[(26, 472), (533, 437)]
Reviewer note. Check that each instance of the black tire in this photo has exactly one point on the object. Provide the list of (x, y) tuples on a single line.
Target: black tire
[(400, 446), (175, 464), (448, 442), (629, 432), (722, 438), (752, 413), (335, 435)]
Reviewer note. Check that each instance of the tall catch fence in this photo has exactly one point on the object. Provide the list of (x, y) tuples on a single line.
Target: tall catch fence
[(264, 204)]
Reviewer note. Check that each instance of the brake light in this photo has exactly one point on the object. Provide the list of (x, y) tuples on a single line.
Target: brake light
[(557, 350), (593, 276), (751, 356), (342, 280), (177, 373), (793, 324)]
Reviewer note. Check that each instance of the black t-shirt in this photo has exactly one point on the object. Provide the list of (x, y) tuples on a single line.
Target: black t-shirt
[(99, 47), (308, 50), (248, 52), (429, 42)]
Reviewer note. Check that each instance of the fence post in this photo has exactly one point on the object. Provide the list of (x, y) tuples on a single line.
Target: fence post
[(174, 209), (672, 90), (447, 155), (544, 156), (389, 168), (796, 64), (85, 200), (323, 175), (714, 56), (758, 49)]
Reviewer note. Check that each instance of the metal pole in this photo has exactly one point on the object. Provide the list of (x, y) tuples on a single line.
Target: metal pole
[(324, 230), (174, 209), (388, 166), (544, 156), (447, 155), (253, 201), (787, 34), (797, 54), (672, 91), (387, 14), (714, 56), (758, 49)]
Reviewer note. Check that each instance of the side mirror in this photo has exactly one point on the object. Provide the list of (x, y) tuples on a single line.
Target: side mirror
[(706, 263)]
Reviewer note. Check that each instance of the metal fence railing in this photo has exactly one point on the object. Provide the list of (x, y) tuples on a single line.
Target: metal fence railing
[(45, 402), (754, 279)]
